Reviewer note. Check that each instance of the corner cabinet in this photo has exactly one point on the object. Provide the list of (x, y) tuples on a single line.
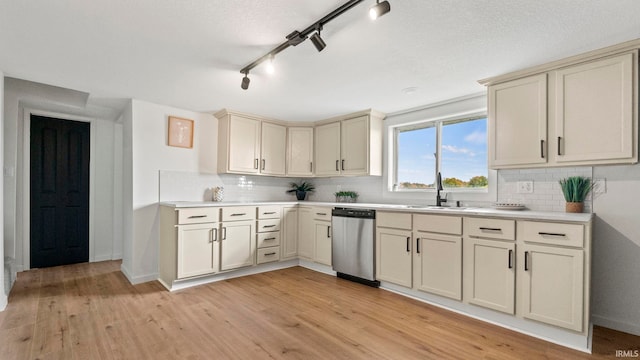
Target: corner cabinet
[(581, 111), (351, 146), (300, 151)]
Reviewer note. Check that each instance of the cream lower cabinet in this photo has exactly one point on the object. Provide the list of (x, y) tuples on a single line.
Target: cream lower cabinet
[(198, 250), (489, 263), (237, 240), (289, 233), (306, 233), (437, 255), (393, 255), (322, 242)]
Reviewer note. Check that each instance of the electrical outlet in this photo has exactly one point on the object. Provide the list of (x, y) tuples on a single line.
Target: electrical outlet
[(525, 187), (600, 186)]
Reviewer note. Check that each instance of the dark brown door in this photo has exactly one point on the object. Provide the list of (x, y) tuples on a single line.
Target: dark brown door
[(59, 192)]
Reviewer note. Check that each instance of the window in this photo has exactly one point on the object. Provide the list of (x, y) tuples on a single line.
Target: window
[(455, 148)]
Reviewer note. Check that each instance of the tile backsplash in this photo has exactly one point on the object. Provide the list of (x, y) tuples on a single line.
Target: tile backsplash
[(185, 186), (546, 195)]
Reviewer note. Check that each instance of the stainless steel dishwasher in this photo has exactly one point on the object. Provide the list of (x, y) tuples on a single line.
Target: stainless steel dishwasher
[(353, 244)]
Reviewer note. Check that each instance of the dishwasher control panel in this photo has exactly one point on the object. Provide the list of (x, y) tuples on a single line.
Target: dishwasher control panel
[(355, 213)]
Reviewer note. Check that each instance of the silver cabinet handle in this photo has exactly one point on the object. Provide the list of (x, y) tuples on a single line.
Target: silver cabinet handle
[(311, 166), (238, 214), (267, 239), (263, 163), (269, 213), (269, 254), (268, 226), (551, 234), (337, 165), (255, 164), (328, 231), (215, 234), (197, 216), (510, 259), (211, 236), (224, 233), (343, 164)]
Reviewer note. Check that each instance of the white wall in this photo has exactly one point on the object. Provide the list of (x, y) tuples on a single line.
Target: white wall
[(3, 295), (63, 103), (145, 131)]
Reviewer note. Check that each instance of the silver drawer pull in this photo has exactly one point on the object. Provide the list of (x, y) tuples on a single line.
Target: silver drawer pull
[(490, 229), (269, 213), (197, 216), (268, 226), (551, 234), (239, 214), (269, 254), (269, 239)]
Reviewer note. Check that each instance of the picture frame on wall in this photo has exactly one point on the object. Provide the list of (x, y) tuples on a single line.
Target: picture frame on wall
[(180, 132)]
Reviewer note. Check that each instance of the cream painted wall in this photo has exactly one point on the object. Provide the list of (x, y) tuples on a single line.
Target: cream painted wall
[(145, 131)]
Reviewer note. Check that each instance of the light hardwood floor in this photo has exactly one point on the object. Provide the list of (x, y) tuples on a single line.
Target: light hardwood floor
[(90, 311)]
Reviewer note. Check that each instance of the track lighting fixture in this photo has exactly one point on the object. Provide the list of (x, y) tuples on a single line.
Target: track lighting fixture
[(296, 37), (379, 9), (270, 68), (245, 81), (317, 41)]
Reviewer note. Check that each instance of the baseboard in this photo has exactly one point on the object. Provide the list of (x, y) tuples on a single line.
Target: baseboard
[(116, 256), (317, 267), (138, 279), (3, 301), (616, 324), (101, 258)]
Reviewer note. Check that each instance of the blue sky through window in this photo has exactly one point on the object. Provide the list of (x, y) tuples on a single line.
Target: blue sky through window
[(463, 153)]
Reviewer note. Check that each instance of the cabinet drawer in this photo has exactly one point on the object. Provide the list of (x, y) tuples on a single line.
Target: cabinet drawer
[(269, 212), (394, 220), (438, 223), (321, 213), (490, 228), (268, 225), (268, 254), (551, 233), (268, 239), (234, 213), (198, 215)]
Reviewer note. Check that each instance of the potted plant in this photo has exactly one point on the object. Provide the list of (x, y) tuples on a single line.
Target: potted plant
[(346, 196), (575, 189), (301, 189)]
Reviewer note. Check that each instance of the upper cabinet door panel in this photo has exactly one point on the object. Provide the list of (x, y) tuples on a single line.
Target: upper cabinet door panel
[(244, 144), (274, 149), (355, 146), (327, 144), (594, 110), (300, 151), (518, 122)]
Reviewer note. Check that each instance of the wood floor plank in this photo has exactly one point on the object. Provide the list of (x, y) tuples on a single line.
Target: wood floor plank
[(90, 311)]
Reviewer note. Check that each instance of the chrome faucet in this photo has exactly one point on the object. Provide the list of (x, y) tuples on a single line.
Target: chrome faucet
[(439, 200)]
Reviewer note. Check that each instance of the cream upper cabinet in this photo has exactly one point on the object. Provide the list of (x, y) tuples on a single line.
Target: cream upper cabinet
[(351, 146), (327, 153), (300, 151), (273, 149), (518, 122), (239, 145), (580, 111), (594, 112)]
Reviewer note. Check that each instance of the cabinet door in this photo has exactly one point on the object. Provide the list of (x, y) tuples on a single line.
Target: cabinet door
[(438, 264), (322, 242), (594, 110), (238, 244), (552, 285), (289, 230), (393, 256), (306, 233), (244, 144), (273, 149), (355, 146), (327, 147), (489, 274), (300, 151), (197, 250), (518, 122)]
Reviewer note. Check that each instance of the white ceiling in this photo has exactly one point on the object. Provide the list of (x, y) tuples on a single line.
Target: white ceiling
[(188, 53)]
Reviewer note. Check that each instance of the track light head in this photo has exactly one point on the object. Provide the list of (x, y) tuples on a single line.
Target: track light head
[(318, 42), (245, 81), (379, 9)]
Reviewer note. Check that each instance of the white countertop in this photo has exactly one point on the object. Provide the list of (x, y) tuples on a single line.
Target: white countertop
[(470, 211)]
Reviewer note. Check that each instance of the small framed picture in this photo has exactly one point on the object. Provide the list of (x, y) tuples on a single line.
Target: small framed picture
[(180, 132)]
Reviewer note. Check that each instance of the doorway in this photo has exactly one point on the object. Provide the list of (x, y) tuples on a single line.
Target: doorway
[(59, 191)]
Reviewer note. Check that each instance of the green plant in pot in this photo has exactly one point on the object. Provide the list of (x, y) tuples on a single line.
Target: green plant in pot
[(301, 189), (346, 196), (575, 190)]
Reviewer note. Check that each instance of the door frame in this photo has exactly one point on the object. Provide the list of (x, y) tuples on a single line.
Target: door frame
[(26, 178)]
